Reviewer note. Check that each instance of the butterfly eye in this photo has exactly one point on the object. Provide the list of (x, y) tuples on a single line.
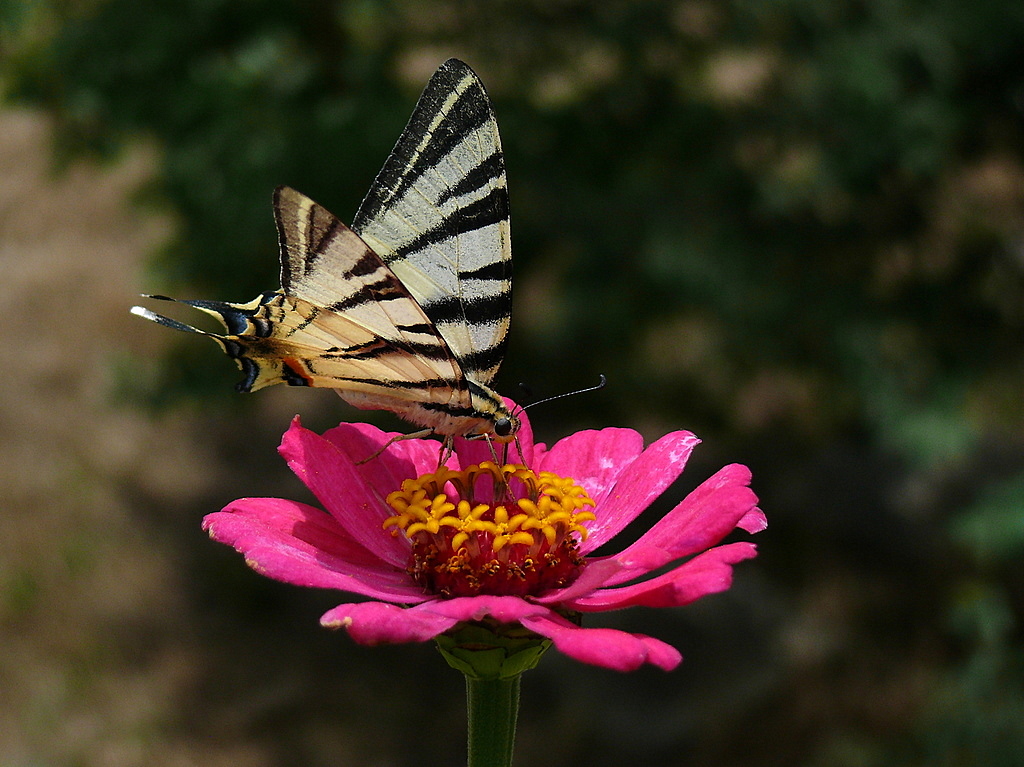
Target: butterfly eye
[(503, 427)]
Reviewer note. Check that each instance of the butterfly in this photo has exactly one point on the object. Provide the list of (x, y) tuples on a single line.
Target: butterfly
[(408, 309)]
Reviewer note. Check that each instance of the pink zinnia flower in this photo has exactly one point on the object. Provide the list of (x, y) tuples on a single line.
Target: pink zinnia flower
[(435, 548)]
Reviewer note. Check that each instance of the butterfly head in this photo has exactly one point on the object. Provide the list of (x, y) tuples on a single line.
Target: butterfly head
[(496, 421), (505, 426)]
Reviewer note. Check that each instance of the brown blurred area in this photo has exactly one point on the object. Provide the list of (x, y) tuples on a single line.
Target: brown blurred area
[(93, 655)]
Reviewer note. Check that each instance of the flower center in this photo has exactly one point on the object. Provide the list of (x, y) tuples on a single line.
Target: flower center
[(492, 529)]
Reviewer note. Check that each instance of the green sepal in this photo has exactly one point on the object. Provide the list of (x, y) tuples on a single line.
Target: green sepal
[(487, 653)]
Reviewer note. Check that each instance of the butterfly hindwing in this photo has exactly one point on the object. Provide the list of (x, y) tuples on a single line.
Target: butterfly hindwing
[(327, 268), (328, 265), (342, 320)]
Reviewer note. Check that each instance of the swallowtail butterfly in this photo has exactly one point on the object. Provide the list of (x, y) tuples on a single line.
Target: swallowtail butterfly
[(407, 310)]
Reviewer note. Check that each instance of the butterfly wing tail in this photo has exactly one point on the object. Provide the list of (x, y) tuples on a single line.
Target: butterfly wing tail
[(167, 322), (262, 366)]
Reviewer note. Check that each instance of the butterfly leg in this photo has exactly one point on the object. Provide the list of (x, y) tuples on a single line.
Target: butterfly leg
[(494, 453), (506, 449), (393, 440), (447, 448)]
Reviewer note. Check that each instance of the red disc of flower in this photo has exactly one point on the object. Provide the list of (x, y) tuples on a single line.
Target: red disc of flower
[(435, 547)]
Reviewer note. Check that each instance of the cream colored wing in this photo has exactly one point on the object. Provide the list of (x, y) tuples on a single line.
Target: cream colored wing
[(437, 215)]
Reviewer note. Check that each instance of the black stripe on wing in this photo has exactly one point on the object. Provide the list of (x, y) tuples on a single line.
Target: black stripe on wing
[(478, 311), (425, 384), (307, 233), (484, 359), (489, 210), (412, 157), (490, 169), (496, 271), (387, 288), (382, 347)]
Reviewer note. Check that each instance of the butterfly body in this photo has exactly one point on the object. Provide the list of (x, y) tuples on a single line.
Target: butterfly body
[(408, 309)]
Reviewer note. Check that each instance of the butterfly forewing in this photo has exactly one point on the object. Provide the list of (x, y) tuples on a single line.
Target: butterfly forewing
[(438, 216)]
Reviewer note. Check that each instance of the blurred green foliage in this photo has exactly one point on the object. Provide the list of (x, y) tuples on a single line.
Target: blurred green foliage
[(795, 227)]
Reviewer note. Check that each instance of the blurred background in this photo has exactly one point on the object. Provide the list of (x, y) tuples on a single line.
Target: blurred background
[(795, 228)]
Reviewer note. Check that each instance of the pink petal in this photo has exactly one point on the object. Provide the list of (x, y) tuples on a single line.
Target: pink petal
[(372, 623), (341, 487), (402, 458), (702, 519), (707, 573), (597, 573), (640, 481), (505, 609), (595, 459), (754, 521), (610, 648), (375, 623), (295, 543)]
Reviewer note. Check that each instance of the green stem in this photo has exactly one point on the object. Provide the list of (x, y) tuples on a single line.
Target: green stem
[(493, 706)]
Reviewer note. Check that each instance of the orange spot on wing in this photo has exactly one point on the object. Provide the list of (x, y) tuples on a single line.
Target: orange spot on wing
[(296, 367)]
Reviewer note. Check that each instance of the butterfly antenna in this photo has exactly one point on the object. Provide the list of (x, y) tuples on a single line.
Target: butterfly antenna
[(569, 393)]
